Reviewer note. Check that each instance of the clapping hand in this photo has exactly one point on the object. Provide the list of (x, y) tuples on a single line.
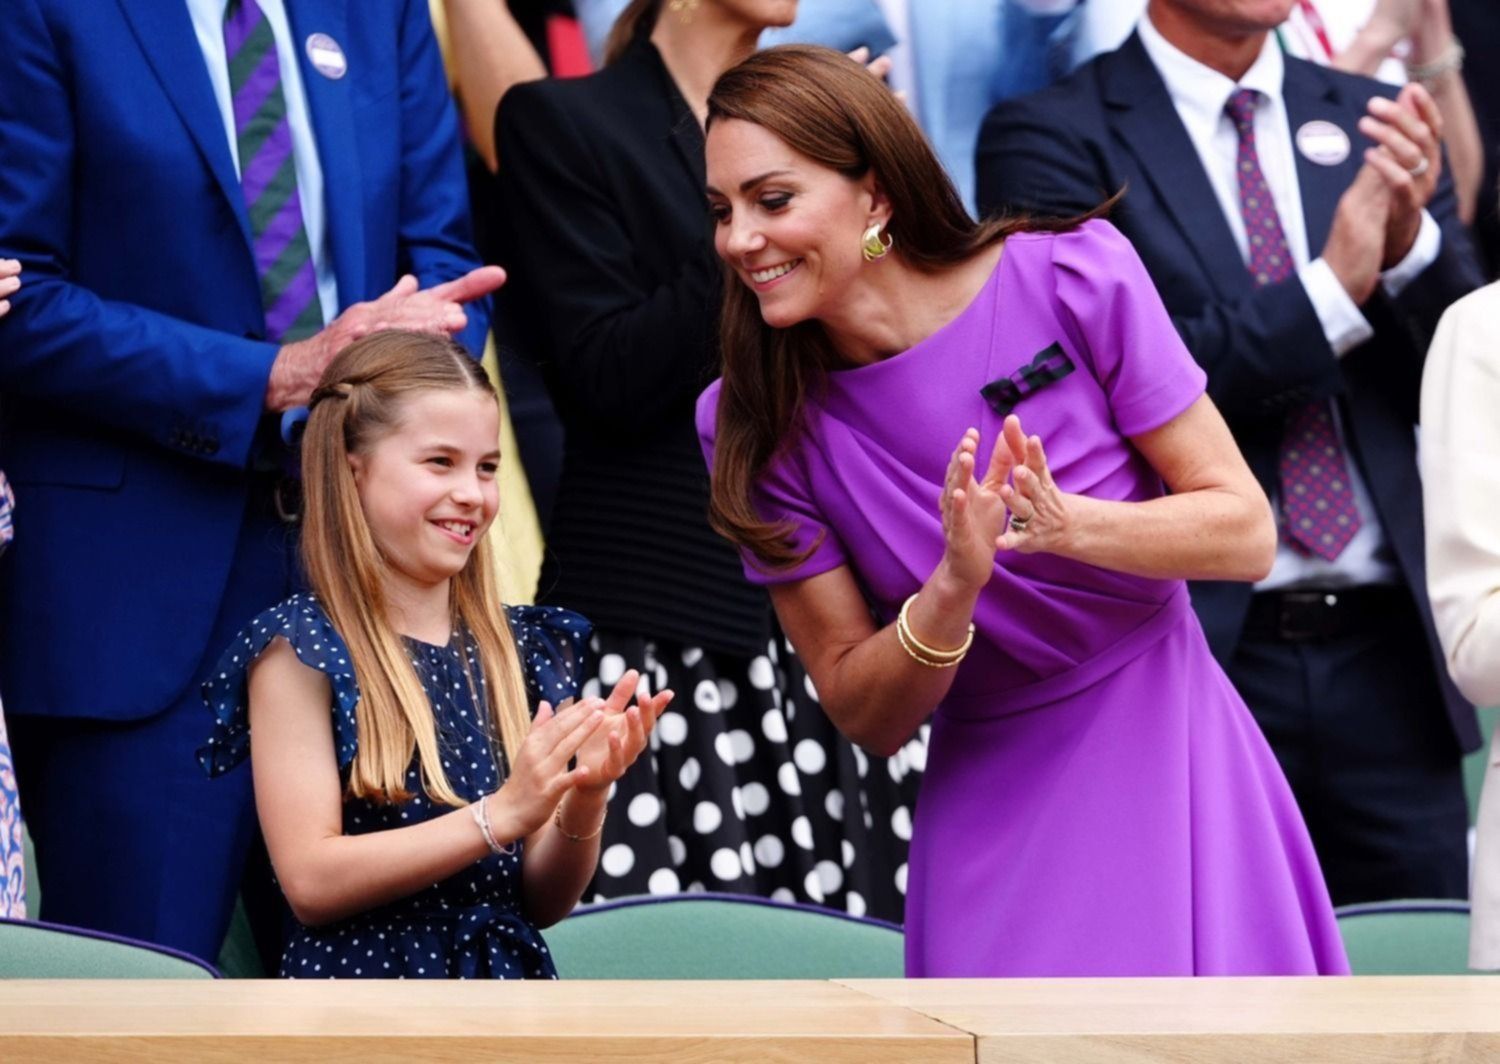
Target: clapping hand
[(1408, 133), (1039, 513), (612, 749), (540, 776), (973, 510)]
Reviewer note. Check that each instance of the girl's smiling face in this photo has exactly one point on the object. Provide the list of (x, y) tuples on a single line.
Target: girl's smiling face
[(788, 227), (428, 488)]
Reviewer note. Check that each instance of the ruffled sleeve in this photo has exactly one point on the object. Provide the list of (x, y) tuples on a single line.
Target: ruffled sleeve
[(304, 625), (552, 644)]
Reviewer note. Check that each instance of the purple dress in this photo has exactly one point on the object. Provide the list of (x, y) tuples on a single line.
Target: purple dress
[(1098, 800)]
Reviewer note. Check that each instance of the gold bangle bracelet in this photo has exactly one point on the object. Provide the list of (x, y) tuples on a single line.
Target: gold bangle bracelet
[(912, 653), (903, 628), (557, 821)]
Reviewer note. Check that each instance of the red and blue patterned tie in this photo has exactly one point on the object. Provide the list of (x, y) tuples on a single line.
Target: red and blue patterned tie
[(268, 176), (1318, 512)]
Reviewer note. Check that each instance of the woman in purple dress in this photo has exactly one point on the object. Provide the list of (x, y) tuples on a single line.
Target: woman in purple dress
[(1098, 800)]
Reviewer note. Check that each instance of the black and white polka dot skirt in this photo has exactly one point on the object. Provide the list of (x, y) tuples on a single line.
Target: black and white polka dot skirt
[(749, 788)]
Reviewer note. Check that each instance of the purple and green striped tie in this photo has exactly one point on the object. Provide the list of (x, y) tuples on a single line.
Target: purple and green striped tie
[(268, 176)]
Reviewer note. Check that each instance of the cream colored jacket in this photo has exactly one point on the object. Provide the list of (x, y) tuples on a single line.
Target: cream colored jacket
[(1460, 457)]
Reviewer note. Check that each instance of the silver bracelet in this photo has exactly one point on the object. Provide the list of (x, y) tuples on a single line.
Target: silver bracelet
[(480, 811), (1452, 60)]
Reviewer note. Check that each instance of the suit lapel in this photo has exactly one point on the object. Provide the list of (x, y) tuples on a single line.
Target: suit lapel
[(164, 31), (331, 109), (1310, 96), (1146, 123)]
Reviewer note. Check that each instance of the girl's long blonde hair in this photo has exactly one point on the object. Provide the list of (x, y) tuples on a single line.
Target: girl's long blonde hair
[(359, 400)]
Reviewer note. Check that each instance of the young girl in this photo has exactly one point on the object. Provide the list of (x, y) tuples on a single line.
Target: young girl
[(427, 825)]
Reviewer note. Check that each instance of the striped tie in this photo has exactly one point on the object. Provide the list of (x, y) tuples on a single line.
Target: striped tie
[(268, 175)]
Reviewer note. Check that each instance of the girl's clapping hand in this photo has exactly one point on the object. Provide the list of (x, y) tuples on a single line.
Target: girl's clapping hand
[(613, 748), (540, 777)]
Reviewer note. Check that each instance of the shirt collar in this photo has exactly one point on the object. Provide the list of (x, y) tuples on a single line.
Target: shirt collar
[(1200, 92)]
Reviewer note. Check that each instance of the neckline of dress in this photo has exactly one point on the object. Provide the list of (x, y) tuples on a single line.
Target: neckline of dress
[(992, 282)]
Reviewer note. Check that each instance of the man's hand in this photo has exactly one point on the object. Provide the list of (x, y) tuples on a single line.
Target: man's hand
[(1409, 135), (300, 365), (1356, 241)]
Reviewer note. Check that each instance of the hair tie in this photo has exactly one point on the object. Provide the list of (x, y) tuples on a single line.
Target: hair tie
[(337, 390)]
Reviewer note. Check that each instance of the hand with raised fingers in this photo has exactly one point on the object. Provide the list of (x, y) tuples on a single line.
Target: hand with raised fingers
[(1408, 134), (973, 510), (1039, 516), (611, 750), (540, 776)]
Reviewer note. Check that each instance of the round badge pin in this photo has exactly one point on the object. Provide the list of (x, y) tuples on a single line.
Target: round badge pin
[(326, 55), (1323, 143)]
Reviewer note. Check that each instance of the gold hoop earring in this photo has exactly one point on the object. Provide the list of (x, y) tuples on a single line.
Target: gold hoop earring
[(684, 8), (874, 245)]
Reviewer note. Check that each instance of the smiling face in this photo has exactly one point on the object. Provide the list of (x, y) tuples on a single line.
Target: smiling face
[(1226, 17), (788, 227), (428, 487)]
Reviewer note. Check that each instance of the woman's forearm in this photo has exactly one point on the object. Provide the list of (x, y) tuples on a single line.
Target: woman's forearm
[(1208, 534), (876, 693), (491, 54)]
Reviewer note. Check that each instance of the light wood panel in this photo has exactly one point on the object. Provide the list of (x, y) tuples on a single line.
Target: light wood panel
[(538, 1023), (1369, 1020)]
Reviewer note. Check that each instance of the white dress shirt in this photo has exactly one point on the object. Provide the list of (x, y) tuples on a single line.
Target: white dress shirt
[(1199, 95), (208, 23)]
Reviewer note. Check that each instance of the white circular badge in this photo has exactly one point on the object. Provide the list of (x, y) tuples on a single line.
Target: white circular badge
[(326, 55), (1323, 143)]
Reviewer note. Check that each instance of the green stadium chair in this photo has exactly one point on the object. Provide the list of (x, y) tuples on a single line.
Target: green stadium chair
[(1406, 937), (33, 950), (722, 936)]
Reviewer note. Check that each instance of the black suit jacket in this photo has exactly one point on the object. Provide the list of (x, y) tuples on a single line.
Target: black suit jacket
[(1112, 125), (603, 189)]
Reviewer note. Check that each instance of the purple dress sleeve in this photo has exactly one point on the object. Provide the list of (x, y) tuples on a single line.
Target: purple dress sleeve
[(1116, 320), (782, 494)]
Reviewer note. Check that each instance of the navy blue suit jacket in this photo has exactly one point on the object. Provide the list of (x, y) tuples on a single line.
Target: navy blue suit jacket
[(133, 364), (1112, 125)]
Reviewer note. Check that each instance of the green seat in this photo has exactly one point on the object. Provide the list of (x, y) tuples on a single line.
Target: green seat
[(31, 950), (1406, 937), (722, 936)]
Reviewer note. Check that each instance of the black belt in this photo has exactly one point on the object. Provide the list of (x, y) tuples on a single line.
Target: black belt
[(1309, 615)]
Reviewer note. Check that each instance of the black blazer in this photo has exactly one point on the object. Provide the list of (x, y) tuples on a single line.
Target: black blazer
[(1112, 124), (602, 182)]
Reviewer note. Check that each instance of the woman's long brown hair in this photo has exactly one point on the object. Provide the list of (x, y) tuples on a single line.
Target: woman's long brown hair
[(830, 109), (360, 399)]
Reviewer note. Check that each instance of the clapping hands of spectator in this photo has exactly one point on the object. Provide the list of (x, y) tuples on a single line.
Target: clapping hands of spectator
[(1408, 133), (10, 282), (439, 309)]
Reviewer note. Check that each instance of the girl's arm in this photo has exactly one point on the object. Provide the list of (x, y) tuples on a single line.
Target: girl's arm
[(1216, 525), (327, 875), (557, 867)]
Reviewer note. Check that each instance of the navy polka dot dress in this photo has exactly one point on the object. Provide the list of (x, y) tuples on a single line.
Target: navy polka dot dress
[(471, 925)]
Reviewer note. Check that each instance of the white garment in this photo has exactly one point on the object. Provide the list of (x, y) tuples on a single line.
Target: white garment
[(1342, 21), (1199, 95), (208, 24)]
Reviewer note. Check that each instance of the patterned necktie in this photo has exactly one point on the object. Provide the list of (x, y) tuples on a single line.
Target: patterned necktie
[(1318, 512), (268, 176)]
